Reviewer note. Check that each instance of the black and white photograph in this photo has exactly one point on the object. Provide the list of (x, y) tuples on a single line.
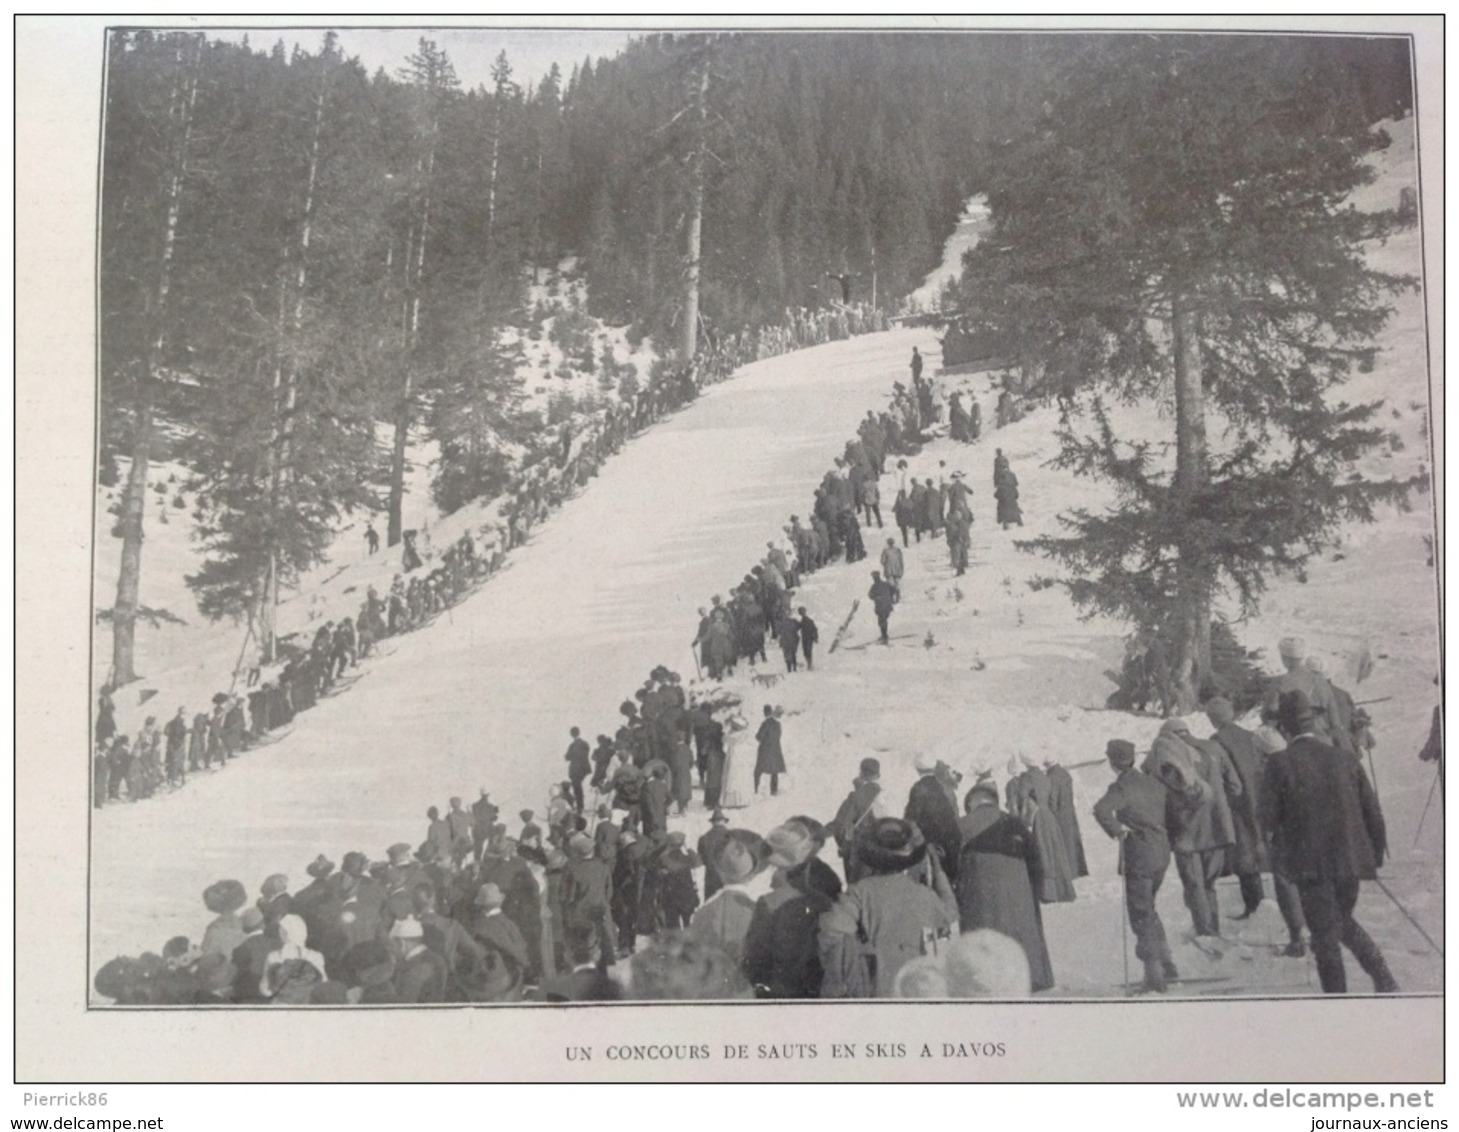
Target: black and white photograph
[(785, 520)]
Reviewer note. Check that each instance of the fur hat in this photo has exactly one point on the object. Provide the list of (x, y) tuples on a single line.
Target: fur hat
[(1175, 726), (489, 895), (870, 768), (276, 885), (890, 845), (355, 863), (320, 867), (224, 896)]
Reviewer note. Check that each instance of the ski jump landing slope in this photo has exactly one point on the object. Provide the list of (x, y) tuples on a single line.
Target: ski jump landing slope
[(607, 588)]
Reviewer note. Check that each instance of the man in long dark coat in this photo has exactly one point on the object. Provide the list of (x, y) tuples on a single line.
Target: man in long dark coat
[(787, 632), (809, 635), (1133, 812), (522, 903), (1248, 858), (934, 813), (586, 894), (917, 497), (681, 774), (654, 807), (883, 598), (709, 846), (997, 873), (769, 758), (1328, 836), (579, 766)]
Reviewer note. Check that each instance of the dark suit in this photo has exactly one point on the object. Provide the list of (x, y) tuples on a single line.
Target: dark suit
[(933, 812), (1327, 836), (1133, 808)]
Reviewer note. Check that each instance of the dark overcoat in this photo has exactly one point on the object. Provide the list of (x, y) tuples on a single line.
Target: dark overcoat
[(1028, 800), (1249, 854), (932, 811), (998, 871), (769, 759), (1322, 815)]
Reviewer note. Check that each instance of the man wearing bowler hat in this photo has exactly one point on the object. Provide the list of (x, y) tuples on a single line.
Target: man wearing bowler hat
[(1133, 811), (1327, 836)]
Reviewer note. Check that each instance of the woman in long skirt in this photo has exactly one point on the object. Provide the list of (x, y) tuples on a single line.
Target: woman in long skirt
[(738, 766)]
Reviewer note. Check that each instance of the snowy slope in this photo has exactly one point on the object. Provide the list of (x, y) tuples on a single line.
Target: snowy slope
[(981, 668)]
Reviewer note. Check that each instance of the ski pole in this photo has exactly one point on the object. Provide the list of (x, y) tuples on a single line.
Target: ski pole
[(1432, 787), (1409, 918), (1124, 922)]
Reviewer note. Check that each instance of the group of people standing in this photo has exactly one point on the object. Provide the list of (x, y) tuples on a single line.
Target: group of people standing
[(1291, 799), (123, 769)]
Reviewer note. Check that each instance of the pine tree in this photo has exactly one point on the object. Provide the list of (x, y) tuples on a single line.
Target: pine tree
[(1175, 228), (283, 434), (433, 84), (152, 95)]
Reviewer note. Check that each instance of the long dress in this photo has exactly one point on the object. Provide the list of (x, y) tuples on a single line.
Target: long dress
[(1061, 802), (1028, 800), (997, 871), (739, 768)]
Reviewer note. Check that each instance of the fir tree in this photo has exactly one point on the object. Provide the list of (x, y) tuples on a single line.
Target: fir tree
[(1175, 228)]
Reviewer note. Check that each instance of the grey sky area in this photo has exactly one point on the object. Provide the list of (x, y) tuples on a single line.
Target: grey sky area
[(531, 52)]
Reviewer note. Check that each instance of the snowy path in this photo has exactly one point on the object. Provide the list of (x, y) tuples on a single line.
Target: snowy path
[(485, 696)]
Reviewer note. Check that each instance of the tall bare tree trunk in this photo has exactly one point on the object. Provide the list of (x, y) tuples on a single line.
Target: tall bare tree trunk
[(1194, 583), (404, 410), (286, 379), (134, 497), (690, 343)]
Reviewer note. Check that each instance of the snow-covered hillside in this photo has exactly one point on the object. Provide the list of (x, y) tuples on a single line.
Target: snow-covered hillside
[(980, 669)]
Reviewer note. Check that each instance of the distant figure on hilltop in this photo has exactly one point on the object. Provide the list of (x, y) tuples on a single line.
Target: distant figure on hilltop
[(916, 364), (372, 539)]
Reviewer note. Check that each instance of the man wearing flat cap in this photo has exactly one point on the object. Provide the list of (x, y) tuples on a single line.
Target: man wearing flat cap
[(1327, 836), (1133, 812)]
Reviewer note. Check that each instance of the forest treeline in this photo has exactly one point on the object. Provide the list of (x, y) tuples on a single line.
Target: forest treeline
[(301, 262)]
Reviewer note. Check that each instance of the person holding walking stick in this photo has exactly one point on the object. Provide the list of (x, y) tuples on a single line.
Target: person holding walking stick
[(1133, 811)]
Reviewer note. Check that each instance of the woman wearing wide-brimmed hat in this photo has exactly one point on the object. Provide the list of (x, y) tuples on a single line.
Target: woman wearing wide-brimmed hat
[(884, 919)]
